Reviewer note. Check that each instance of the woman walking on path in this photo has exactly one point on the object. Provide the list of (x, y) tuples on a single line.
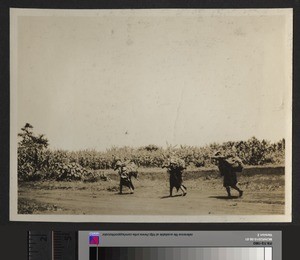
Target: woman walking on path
[(175, 168), (228, 167), (126, 170)]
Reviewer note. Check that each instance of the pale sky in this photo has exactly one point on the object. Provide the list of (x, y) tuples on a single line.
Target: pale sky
[(151, 77)]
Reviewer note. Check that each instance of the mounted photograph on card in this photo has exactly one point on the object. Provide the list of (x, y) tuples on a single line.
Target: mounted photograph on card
[(151, 115)]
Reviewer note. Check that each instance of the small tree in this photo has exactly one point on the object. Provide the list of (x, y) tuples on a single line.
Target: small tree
[(31, 153)]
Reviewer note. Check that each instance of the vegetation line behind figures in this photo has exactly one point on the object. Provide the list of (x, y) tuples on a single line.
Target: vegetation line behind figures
[(36, 161)]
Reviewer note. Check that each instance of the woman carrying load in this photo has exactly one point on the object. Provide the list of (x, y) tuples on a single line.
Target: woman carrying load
[(175, 167), (228, 167), (126, 170)]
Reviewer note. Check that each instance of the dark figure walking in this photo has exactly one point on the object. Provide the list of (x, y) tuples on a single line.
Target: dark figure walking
[(175, 168), (229, 166), (126, 173)]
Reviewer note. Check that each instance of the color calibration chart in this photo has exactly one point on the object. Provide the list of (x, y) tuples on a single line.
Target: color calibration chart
[(179, 245)]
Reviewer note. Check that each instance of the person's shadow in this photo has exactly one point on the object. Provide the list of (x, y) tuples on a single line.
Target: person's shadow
[(224, 197), (166, 197), (123, 193)]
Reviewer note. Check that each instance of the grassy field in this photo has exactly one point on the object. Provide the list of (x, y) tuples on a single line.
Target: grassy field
[(263, 186)]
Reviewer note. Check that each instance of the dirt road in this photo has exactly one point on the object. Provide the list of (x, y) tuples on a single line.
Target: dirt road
[(264, 195)]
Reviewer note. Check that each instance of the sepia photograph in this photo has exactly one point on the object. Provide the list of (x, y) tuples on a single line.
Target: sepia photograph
[(151, 115)]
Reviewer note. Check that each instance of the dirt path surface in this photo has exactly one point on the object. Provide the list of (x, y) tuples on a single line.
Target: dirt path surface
[(263, 196)]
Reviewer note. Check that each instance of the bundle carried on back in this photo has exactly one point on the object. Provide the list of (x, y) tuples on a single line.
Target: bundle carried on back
[(175, 163), (126, 168), (131, 167), (234, 162)]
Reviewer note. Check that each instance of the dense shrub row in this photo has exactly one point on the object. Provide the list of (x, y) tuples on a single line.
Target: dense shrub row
[(37, 161), (251, 152)]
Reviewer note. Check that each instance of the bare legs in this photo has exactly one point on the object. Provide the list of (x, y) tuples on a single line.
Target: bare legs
[(183, 189), (171, 191), (131, 187), (235, 188)]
